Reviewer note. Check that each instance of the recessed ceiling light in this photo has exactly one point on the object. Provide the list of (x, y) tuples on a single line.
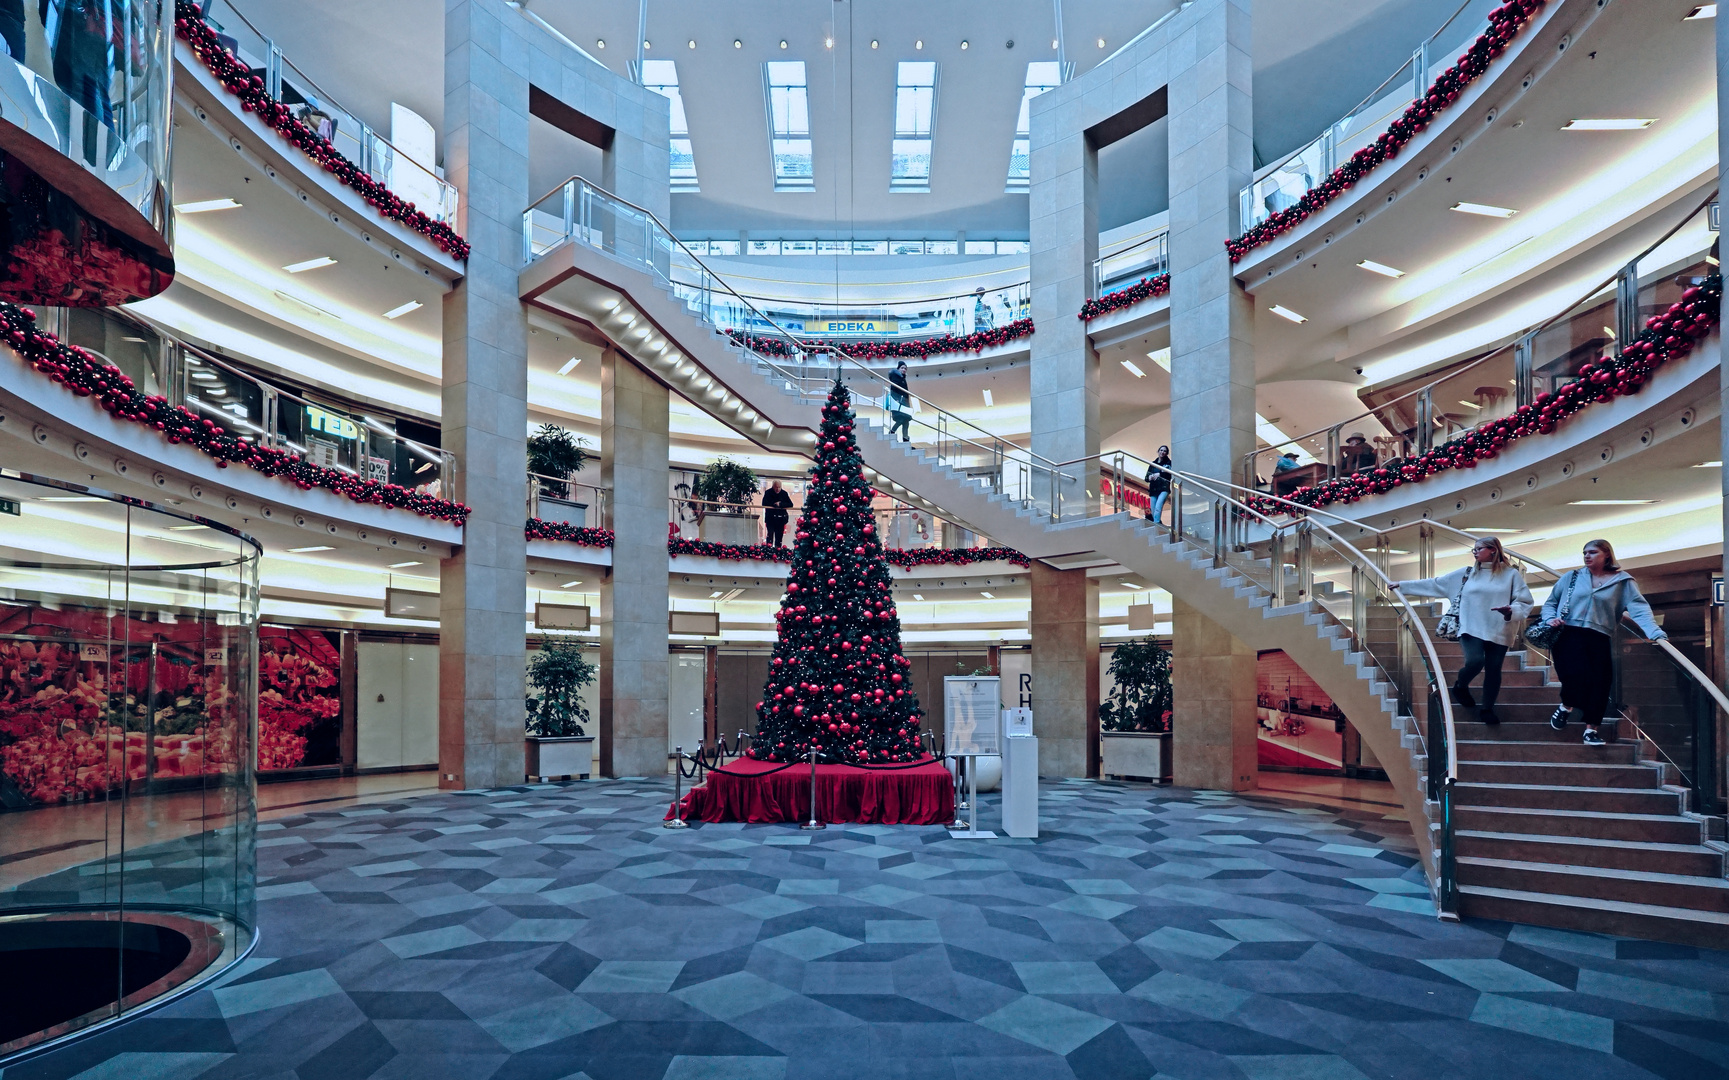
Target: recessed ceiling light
[(1101, 43), (399, 312), (1631, 123), (570, 584), (873, 43), (403, 565), (1134, 369), (1470, 404), (311, 547), (1383, 269), (919, 44), (691, 44), (828, 43), (988, 400), (186, 528), (783, 43), (569, 365), (1611, 502), (1703, 11), (309, 264), (1055, 44), (737, 44), (716, 594), (206, 205), (1709, 465), (600, 43), (918, 596), (647, 45), (986, 595), (1483, 210), (1286, 313), (963, 44), (68, 498), (1482, 529)]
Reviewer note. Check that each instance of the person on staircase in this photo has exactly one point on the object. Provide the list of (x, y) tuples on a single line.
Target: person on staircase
[(1586, 605), (1492, 601), (1158, 484)]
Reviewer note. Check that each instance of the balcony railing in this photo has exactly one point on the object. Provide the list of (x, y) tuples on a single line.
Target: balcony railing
[(1281, 184), (959, 315), (1410, 422), (1148, 257), (343, 129), (324, 432)]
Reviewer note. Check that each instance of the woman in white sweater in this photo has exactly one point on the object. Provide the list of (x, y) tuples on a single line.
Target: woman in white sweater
[(1492, 602)]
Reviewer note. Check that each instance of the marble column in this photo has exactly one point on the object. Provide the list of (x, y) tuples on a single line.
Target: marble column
[(633, 597), (482, 632), (1065, 637), (1213, 714)]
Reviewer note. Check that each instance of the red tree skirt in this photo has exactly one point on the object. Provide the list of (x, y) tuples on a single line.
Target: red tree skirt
[(844, 793)]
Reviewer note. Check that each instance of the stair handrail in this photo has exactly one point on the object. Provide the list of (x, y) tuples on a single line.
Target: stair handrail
[(1250, 458)]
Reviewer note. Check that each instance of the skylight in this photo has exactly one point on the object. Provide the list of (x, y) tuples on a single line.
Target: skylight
[(1042, 75), (915, 112), (661, 76), (789, 125)]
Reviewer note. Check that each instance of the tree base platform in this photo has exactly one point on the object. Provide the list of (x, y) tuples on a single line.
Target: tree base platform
[(922, 795)]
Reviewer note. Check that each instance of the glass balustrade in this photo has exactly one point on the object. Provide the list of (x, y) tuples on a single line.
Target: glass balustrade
[(128, 652), (413, 180), (1143, 259)]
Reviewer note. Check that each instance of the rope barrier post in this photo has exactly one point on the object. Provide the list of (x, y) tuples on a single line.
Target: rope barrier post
[(960, 800), (813, 824), (677, 819)]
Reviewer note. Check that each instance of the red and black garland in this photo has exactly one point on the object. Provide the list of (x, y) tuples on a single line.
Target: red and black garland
[(84, 375), (882, 349), (1505, 22), (570, 534), (677, 545), (238, 80), (1144, 289), (1668, 336)]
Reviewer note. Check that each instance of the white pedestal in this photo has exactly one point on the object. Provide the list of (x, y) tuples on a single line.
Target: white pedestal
[(1021, 786)]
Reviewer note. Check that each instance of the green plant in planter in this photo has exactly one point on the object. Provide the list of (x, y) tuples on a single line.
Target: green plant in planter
[(559, 672), (725, 481), (554, 452), (1141, 701)]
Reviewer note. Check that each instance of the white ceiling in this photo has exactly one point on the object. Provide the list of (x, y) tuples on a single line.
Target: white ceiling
[(1314, 59)]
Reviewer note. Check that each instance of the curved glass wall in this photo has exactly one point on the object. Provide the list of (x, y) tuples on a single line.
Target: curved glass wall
[(128, 698), (86, 95)]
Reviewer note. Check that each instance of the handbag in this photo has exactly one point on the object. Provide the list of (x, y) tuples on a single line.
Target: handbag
[(1448, 628), (1539, 634)]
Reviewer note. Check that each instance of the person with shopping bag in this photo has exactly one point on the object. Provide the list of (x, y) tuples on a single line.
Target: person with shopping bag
[(1489, 604), (1578, 626)]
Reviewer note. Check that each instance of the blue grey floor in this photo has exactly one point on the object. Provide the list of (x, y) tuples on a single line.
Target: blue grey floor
[(559, 932)]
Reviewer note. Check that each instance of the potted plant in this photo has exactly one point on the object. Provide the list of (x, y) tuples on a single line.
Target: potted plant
[(555, 745), (1135, 724), (731, 485), (553, 454)]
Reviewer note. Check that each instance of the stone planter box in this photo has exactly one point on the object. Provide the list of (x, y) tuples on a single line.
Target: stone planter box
[(563, 511), (1135, 754), (723, 528), (564, 757)]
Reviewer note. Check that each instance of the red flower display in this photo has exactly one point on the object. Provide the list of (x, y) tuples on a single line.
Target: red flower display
[(1144, 289), (80, 372), (1505, 22), (238, 80), (1668, 336), (885, 349), (295, 692)]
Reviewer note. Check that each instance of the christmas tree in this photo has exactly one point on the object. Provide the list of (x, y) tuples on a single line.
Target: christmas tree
[(838, 681)]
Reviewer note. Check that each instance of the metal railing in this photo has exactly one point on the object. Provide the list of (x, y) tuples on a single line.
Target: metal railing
[(245, 405), (1279, 185), (1540, 360), (1118, 270), (343, 129), (564, 501), (963, 313)]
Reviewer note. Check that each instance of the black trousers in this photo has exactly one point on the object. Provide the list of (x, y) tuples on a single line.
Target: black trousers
[(1586, 669), (1486, 657), (776, 529)]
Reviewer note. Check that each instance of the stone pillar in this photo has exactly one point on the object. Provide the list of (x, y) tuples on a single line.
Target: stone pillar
[(1065, 633), (1213, 715), (483, 632), (1723, 428), (633, 598), (1212, 370)]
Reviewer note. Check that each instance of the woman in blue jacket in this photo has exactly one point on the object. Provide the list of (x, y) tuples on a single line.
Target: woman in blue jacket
[(1586, 605)]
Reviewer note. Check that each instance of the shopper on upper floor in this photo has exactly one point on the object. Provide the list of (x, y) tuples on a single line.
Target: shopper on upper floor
[(776, 502), (1492, 601), (1159, 484), (1587, 605), (1356, 455)]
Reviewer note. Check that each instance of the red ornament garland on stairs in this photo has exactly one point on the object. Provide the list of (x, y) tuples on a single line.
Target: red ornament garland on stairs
[(84, 375), (238, 80), (1505, 22)]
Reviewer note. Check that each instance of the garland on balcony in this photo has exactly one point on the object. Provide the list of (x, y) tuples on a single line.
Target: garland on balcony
[(883, 349), (678, 545), (1668, 336), (238, 80), (84, 375), (1505, 22), (570, 534), (1144, 289)]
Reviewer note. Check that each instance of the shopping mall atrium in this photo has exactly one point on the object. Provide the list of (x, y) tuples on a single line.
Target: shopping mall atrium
[(793, 539)]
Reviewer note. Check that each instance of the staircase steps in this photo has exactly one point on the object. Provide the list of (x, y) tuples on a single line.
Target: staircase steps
[(1693, 860), (1590, 824), (1661, 922), (1599, 800), (1529, 772)]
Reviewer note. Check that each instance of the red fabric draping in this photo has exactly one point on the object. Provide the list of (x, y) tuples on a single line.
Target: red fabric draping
[(844, 793)]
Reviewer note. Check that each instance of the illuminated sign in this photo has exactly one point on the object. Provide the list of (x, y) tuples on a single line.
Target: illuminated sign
[(331, 423), (8, 506), (851, 326)]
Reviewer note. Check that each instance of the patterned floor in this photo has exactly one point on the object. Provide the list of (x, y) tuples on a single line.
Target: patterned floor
[(558, 933)]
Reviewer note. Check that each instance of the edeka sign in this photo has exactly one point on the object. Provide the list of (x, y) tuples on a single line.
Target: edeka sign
[(851, 327)]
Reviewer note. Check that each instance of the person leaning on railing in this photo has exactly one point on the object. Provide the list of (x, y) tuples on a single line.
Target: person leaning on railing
[(1586, 605), (1492, 601), (775, 503)]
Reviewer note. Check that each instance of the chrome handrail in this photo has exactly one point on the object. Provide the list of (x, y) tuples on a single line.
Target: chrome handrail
[(1249, 459)]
